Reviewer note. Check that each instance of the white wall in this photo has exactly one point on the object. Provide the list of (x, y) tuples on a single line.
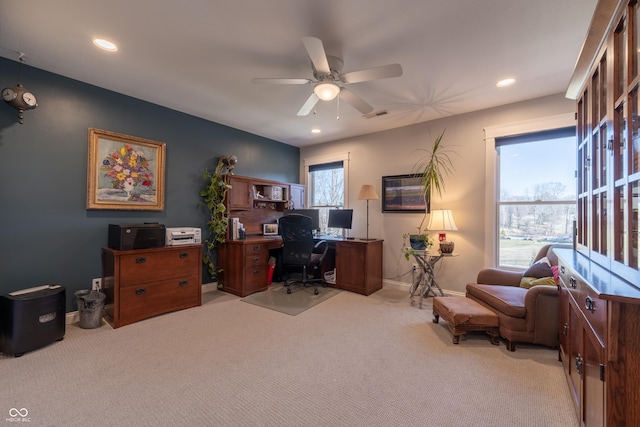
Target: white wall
[(394, 152)]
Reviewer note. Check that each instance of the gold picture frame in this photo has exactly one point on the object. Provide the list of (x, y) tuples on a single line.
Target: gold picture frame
[(124, 172)]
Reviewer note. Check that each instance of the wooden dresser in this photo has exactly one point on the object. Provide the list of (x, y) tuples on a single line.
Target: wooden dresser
[(599, 340), (143, 283)]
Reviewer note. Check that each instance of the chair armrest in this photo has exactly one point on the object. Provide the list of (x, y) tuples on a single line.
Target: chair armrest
[(495, 276), (321, 248)]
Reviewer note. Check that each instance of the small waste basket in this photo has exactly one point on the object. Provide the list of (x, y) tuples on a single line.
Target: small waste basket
[(272, 267), (90, 305)]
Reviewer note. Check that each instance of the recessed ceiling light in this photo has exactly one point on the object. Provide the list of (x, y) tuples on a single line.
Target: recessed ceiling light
[(105, 44), (316, 130), (506, 82)]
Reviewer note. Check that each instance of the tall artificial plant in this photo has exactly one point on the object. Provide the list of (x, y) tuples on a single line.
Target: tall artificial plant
[(213, 196), (432, 170)]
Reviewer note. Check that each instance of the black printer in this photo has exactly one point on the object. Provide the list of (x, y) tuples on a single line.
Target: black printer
[(124, 237)]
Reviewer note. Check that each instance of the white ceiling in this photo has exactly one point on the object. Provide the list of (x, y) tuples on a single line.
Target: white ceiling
[(199, 56)]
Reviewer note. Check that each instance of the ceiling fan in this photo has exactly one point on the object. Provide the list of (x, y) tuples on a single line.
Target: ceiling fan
[(327, 71)]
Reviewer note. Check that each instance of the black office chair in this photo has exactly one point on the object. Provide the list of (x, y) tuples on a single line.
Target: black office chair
[(300, 253)]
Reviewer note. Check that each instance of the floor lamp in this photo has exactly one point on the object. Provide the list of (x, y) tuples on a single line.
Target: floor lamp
[(367, 192)]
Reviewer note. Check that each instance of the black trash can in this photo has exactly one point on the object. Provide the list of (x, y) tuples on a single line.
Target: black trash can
[(90, 305)]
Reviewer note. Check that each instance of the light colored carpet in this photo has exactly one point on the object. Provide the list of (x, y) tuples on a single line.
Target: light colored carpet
[(350, 361), (299, 300)]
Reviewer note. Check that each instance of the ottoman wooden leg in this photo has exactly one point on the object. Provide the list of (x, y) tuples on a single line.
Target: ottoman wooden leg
[(494, 337), (436, 317), (456, 339)]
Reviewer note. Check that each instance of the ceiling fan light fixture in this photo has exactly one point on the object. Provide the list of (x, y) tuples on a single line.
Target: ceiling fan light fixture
[(326, 91)]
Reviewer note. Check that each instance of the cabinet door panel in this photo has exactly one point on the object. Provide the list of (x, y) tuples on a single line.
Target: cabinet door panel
[(593, 401)]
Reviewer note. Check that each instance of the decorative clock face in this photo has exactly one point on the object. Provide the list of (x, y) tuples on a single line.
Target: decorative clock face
[(8, 94), (29, 99)]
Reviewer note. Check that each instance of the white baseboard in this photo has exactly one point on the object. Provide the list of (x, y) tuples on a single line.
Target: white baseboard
[(406, 287), (72, 316)]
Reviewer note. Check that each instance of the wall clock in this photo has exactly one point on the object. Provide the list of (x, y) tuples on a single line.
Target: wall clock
[(19, 98)]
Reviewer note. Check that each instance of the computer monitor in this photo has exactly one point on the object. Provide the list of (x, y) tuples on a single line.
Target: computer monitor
[(340, 218), (314, 214)]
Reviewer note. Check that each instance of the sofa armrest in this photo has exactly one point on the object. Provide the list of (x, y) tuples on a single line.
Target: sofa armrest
[(495, 276), (541, 304)]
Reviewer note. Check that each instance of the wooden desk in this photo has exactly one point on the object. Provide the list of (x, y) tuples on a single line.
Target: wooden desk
[(358, 264)]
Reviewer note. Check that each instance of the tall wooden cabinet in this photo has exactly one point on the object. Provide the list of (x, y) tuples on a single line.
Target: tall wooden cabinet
[(600, 279)]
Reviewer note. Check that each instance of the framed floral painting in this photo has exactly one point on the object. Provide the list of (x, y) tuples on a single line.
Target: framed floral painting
[(124, 172)]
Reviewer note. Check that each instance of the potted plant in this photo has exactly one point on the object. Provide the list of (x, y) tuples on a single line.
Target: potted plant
[(432, 169), (213, 196)]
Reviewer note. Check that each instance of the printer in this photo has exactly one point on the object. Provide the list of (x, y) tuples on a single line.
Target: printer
[(176, 236)]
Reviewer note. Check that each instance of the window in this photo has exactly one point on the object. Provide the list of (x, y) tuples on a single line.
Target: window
[(327, 184), (536, 194)]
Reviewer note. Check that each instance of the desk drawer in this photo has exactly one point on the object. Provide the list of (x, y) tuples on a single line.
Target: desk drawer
[(256, 260), (255, 278), (256, 248), (142, 301)]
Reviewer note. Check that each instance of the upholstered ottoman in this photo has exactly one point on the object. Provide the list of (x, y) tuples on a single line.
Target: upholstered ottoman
[(464, 314)]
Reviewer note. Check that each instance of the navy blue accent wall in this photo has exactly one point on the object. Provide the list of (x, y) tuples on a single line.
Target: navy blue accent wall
[(46, 233)]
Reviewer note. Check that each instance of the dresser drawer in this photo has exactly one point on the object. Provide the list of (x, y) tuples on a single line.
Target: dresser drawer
[(146, 267), (142, 301)]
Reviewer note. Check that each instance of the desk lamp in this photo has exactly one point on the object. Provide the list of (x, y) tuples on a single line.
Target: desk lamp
[(367, 192), (442, 220)]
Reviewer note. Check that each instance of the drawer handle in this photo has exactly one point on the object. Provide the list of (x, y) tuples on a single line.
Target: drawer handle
[(256, 248), (183, 282), (573, 282), (256, 260), (590, 304), (256, 272), (141, 291), (184, 255), (579, 364), (141, 260)]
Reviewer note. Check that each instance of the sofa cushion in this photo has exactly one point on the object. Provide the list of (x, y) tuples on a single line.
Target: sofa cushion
[(506, 299), (540, 268), (529, 282)]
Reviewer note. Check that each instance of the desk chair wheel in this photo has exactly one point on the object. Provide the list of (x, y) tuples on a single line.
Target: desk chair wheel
[(289, 290), (316, 292)]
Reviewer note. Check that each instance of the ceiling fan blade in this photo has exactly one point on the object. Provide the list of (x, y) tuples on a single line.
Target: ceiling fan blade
[(281, 81), (308, 105), (355, 101), (316, 52), (382, 72)]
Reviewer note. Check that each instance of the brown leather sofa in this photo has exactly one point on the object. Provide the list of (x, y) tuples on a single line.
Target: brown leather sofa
[(525, 315)]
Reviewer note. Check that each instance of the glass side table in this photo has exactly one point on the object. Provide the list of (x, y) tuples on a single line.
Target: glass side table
[(425, 282)]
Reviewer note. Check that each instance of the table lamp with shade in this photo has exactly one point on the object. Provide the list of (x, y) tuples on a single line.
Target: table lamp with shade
[(367, 192), (441, 220)]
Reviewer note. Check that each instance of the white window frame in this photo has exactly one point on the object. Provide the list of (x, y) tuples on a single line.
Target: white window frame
[(491, 172), (319, 160)]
